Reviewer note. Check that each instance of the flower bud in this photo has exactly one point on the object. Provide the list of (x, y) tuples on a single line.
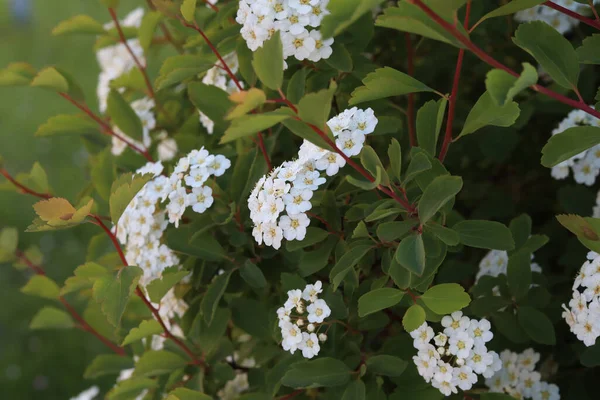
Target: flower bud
[(311, 327), (441, 350), (322, 337), (460, 362), (300, 322)]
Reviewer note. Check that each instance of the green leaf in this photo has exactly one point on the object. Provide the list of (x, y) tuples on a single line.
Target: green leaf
[(355, 391), (484, 235), (439, 192), (346, 262), (322, 372), (85, 276), (158, 288), (377, 300), (159, 362), (123, 116), (215, 291), (146, 328), (429, 123), (366, 185), (251, 316), (188, 10), (304, 131), (17, 74), (343, 13), (411, 254), (146, 31), (51, 318), (203, 245), (123, 190), (79, 24), (253, 275), (413, 318), (103, 173), (510, 8), (419, 163), (446, 298), (314, 108), (41, 286), (131, 388), (395, 156), (537, 325), (107, 364), (386, 365), (446, 235), (9, 239), (268, 62), (297, 86), (519, 273), (503, 87), (386, 82), (113, 292), (340, 59), (588, 53), (246, 101), (67, 125), (370, 160), (251, 124), (313, 236), (211, 100), (390, 231), (569, 143), (551, 50), (187, 394), (486, 112), (520, 228), (591, 356), (410, 18), (49, 78)]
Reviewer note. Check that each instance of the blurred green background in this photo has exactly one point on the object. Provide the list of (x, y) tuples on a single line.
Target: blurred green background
[(43, 364)]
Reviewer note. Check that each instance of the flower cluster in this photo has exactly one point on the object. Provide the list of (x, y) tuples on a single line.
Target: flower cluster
[(556, 19), (519, 379), (300, 319), (235, 387), (585, 165), (218, 76), (495, 263), (583, 313), (290, 186), (459, 353), (294, 19), (143, 222), (115, 60)]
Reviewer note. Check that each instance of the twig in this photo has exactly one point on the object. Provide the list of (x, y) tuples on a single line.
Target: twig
[(23, 188), (573, 14), (291, 395)]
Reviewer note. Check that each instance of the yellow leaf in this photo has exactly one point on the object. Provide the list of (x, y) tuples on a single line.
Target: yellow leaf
[(246, 102), (54, 208)]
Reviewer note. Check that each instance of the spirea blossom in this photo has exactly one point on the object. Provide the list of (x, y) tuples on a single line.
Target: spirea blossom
[(457, 355), (556, 19), (115, 60), (296, 20), (495, 263), (146, 217), (300, 319), (583, 312), (279, 202), (585, 165), (518, 377)]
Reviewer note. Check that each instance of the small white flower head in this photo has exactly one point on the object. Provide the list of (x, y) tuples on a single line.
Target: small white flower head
[(460, 344), (440, 339), (310, 327), (422, 336), (464, 377), (318, 311), (309, 345), (322, 337), (200, 199), (311, 292), (455, 323)]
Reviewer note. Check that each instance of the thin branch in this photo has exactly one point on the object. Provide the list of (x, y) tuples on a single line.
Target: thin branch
[(593, 7), (105, 127), (573, 14), (454, 94), (23, 188), (496, 64), (291, 395), (165, 31), (410, 115), (84, 325)]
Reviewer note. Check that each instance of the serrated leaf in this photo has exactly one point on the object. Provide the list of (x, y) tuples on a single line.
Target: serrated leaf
[(146, 328), (85, 276), (49, 78), (588, 52), (487, 113), (569, 143), (446, 298), (83, 24), (246, 100), (107, 364), (343, 13), (67, 125), (386, 82), (53, 209), (413, 318), (503, 87), (377, 300), (158, 288), (51, 318), (251, 124), (113, 292), (314, 108), (41, 286), (510, 8), (123, 190)]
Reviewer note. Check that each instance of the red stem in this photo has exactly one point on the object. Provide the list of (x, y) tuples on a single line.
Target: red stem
[(23, 188), (327, 225), (573, 14), (410, 115), (105, 127), (140, 294), (496, 64), (291, 395), (84, 325), (137, 62), (454, 94)]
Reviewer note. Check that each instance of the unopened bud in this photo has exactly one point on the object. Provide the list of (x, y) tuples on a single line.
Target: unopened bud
[(441, 350), (300, 322), (460, 362), (311, 327), (322, 337)]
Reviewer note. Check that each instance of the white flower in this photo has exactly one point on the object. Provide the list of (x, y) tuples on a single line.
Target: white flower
[(364, 121), (294, 226), (460, 344), (350, 143), (545, 391), (292, 335), (440, 339), (311, 292), (197, 177), (330, 163), (527, 381), (310, 180), (309, 345), (318, 311), (455, 323), (479, 359), (219, 165), (200, 199), (294, 299), (464, 377), (322, 48), (480, 331), (443, 372), (298, 200), (422, 336)]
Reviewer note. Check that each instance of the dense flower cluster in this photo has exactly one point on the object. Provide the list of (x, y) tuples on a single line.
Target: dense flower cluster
[(300, 319), (556, 19), (585, 165), (459, 353), (290, 186), (583, 313), (519, 379), (495, 263), (115, 60), (296, 21), (218, 76), (143, 222)]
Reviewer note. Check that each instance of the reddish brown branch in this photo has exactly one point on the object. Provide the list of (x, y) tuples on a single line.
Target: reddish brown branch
[(23, 188), (496, 64), (573, 14), (105, 127), (83, 324), (454, 94), (291, 395), (410, 114)]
